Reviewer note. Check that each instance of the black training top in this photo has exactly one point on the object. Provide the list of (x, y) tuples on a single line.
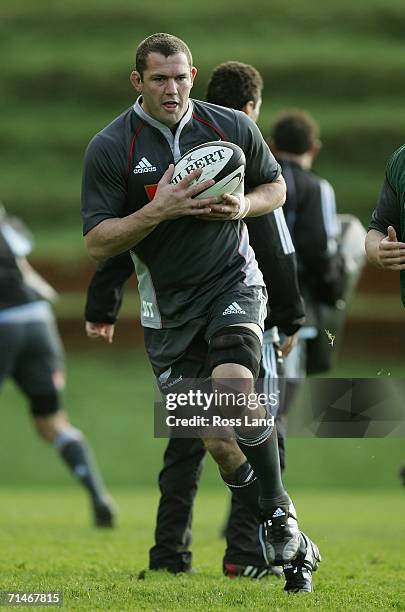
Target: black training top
[(15, 241), (186, 263), (310, 212), (275, 255)]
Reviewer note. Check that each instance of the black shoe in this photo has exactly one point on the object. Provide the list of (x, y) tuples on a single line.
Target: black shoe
[(172, 569), (105, 512), (233, 570), (402, 475), (298, 573), (281, 535), (143, 574)]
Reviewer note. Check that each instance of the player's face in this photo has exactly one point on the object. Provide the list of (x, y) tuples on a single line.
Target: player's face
[(165, 87)]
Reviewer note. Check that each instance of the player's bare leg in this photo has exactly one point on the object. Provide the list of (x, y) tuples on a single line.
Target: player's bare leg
[(73, 448), (259, 445)]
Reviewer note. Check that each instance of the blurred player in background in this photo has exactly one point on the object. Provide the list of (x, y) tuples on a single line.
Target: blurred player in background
[(310, 211), (328, 246), (385, 240), (239, 86), (32, 355)]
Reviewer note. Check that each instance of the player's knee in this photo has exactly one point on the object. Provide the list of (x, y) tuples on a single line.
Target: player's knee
[(45, 404), (231, 380), (235, 352), (44, 428), (49, 426), (231, 370), (218, 448), (226, 453)]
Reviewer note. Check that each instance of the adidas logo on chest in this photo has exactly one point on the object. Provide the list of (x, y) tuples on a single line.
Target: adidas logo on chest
[(144, 166)]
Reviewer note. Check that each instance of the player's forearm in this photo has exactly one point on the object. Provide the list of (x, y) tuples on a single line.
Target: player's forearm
[(35, 280), (104, 297), (372, 244), (266, 198), (114, 236)]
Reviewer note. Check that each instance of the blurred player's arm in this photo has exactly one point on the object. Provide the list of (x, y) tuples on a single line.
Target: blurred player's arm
[(288, 344), (35, 280), (383, 248), (20, 241), (104, 296)]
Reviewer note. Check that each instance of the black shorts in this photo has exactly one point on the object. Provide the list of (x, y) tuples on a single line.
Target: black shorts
[(32, 355), (182, 351)]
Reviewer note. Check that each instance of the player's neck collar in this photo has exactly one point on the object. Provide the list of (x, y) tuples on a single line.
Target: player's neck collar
[(157, 124), (172, 138)]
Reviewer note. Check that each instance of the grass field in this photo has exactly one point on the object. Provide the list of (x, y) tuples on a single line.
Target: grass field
[(347, 491), (48, 545), (110, 396)]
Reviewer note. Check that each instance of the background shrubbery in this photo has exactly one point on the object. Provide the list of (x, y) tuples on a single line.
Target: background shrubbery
[(65, 72)]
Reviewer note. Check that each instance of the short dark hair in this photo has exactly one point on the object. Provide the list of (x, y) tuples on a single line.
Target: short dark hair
[(233, 84), (294, 131), (163, 43)]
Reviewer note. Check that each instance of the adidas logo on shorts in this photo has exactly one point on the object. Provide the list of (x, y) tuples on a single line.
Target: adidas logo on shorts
[(233, 308), (278, 512), (144, 166)]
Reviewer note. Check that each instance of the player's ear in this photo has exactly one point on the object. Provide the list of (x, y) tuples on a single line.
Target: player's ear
[(249, 108), (136, 81), (316, 146), (193, 73)]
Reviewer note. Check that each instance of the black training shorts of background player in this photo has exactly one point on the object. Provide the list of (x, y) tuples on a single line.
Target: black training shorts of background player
[(32, 354), (30, 348)]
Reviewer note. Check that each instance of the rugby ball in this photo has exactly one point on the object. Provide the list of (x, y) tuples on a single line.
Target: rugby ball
[(222, 161)]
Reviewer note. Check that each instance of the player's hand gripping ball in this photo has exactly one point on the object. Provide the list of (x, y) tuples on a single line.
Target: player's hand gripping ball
[(222, 161)]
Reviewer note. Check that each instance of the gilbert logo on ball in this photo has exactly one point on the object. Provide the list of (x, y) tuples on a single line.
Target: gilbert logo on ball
[(222, 161)]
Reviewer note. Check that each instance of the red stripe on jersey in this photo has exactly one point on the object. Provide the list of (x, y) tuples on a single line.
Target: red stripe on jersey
[(213, 127), (132, 146), (150, 191)]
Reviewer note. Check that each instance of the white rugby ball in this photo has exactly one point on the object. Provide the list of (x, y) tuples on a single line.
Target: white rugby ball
[(222, 161)]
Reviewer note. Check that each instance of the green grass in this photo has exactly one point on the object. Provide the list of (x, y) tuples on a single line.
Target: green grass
[(48, 545), (342, 488), (379, 307), (109, 396)]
